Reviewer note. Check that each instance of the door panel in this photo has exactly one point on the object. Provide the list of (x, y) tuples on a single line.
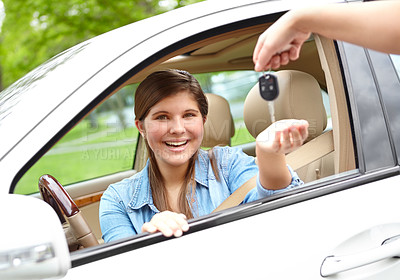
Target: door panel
[(287, 243)]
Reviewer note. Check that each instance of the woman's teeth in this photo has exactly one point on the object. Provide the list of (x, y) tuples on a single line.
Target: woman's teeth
[(176, 144)]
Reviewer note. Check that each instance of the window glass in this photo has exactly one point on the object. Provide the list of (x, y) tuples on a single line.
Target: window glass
[(103, 143), (233, 86)]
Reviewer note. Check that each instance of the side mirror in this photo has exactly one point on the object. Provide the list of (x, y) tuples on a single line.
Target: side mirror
[(32, 240)]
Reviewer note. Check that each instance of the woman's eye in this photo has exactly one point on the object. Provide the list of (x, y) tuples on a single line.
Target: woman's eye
[(189, 115), (161, 117)]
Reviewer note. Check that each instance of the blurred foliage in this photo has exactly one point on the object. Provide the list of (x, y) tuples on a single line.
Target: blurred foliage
[(35, 30)]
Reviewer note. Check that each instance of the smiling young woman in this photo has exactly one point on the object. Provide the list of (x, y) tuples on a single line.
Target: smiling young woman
[(180, 180), (171, 107)]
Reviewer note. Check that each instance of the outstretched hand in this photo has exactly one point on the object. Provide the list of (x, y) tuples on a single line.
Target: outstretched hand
[(279, 44), (283, 136), (168, 223)]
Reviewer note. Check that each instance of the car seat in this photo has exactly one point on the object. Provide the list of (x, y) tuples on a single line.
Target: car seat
[(219, 127), (299, 98)]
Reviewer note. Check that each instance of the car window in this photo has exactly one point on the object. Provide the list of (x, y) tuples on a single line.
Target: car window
[(103, 143)]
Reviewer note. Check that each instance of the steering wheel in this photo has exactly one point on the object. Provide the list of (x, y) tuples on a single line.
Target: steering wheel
[(77, 231)]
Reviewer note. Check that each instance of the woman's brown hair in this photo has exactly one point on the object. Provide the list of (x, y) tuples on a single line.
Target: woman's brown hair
[(152, 90)]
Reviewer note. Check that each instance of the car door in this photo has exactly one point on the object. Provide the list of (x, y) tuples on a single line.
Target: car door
[(342, 227), (290, 235), (333, 228)]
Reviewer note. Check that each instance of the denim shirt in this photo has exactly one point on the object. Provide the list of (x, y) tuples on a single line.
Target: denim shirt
[(125, 206)]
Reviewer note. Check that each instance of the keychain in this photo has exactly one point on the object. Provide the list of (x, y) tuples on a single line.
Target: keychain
[(269, 91), (268, 83)]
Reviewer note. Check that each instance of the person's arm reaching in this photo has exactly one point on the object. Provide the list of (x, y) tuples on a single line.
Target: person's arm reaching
[(272, 144), (374, 25)]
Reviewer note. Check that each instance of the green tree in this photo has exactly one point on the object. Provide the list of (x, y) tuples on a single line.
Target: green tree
[(35, 30)]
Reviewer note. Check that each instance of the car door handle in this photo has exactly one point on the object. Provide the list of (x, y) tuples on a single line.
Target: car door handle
[(335, 264)]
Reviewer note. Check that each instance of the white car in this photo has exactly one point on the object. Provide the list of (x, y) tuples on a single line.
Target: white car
[(72, 118)]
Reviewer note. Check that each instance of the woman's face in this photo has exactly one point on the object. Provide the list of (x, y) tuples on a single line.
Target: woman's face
[(173, 129)]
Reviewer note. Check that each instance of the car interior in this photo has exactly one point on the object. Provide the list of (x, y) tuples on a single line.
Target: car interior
[(328, 150)]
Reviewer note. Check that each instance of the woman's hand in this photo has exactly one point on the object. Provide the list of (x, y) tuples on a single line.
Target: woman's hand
[(283, 136), (272, 144), (167, 222)]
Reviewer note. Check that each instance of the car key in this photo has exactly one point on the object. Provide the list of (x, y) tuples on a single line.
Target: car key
[(268, 84), (269, 91)]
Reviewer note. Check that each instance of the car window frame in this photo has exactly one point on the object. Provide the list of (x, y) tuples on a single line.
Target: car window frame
[(359, 74)]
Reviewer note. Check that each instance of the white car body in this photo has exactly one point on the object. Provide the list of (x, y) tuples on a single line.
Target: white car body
[(348, 215)]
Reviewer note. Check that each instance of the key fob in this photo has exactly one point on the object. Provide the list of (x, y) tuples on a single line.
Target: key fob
[(268, 84)]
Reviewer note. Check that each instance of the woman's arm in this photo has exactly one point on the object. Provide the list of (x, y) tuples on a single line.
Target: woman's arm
[(374, 25), (114, 221), (272, 144)]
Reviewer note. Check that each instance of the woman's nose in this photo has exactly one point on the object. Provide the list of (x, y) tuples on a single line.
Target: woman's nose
[(177, 126)]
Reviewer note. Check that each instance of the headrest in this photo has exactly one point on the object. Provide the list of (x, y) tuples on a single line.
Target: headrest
[(219, 127), (299, 98)]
